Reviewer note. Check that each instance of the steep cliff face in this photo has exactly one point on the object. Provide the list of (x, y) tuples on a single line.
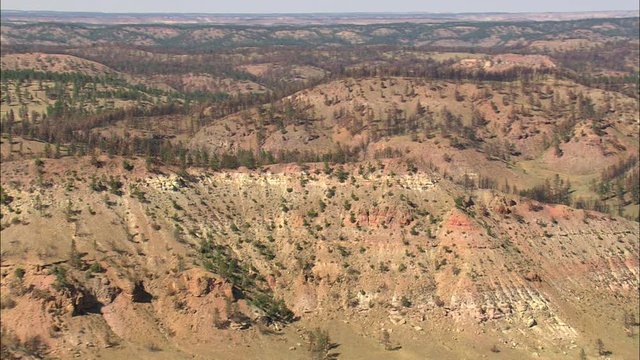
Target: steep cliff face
[(180, 266)]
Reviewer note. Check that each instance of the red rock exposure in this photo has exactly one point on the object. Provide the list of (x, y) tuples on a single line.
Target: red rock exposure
[(387, 216)]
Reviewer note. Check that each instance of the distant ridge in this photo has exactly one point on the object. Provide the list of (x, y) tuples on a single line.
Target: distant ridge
[(297, 18)]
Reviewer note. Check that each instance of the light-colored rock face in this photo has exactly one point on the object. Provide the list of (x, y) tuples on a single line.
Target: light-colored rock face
[(378, 246)]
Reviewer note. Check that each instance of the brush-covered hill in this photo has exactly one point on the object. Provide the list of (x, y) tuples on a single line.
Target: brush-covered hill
[(121, 261), (58, 63), (521, 133)]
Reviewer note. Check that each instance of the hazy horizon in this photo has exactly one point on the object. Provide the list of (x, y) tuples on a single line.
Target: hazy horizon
[(315, 12), (328, 6)]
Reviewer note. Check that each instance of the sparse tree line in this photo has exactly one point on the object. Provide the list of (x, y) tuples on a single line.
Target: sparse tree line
[(619, 181), (559, 191), (556, 191)]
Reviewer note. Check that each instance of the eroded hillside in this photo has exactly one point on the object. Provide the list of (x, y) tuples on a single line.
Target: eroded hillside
[(128, 261), (524, 133)]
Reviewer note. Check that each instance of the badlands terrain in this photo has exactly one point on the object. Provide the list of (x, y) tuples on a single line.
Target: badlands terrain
[(350, 187)]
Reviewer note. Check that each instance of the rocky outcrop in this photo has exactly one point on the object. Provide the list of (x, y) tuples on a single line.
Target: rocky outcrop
[(394, 216)]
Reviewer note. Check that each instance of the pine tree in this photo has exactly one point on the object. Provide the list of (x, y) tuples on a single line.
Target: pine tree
[(600, 346), (386, 340), (74, 256), (47, 150), (319, 343)]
